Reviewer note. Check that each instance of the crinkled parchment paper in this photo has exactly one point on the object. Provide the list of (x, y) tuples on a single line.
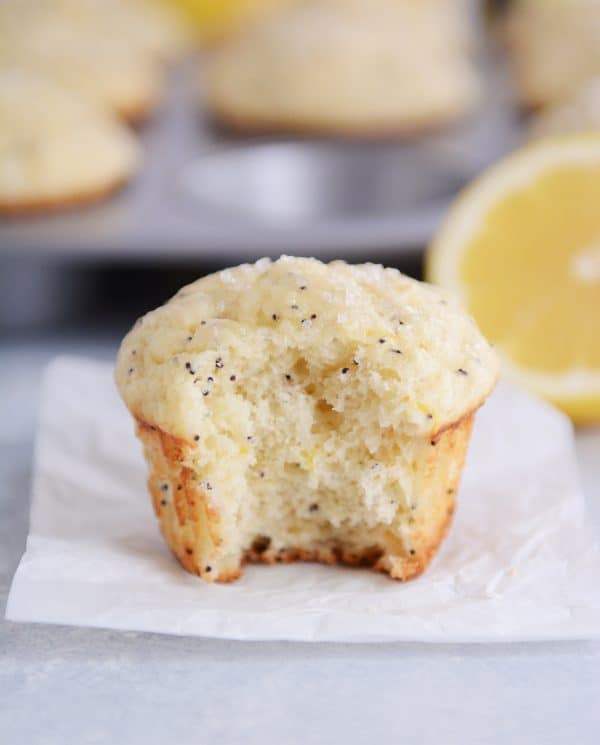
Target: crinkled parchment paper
[(519, 563)]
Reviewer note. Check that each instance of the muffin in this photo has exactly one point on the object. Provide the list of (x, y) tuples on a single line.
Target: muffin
[(108, 70), (554, 46), (354, 68), (56, 149), (577, 112), (149, 26), (294, 410), (153, 24)]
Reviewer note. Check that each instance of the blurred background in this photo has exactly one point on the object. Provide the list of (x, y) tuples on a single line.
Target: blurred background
[(146, 143)]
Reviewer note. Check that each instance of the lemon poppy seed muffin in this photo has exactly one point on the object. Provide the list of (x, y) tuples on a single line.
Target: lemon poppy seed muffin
[(150, 26), (56, 149), (293, 410), (108, 70), (554, 46), (577, 112), (356, 68)]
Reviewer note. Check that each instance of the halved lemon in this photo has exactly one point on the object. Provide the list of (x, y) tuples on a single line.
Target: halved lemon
[(521, 249)]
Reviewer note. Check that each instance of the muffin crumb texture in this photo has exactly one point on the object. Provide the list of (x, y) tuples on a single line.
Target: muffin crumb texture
[(293, 410)]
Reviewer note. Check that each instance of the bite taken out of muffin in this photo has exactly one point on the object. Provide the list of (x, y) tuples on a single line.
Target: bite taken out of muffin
[(295, 410)]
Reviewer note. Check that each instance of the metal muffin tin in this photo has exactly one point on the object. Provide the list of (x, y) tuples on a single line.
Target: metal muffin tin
[(202, 194)]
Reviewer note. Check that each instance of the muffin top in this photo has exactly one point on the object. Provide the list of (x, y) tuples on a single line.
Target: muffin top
[(553, 46), (52, 144), (424, 358), (147, 25)]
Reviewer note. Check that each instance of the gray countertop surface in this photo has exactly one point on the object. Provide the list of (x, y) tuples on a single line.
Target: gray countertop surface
[(71, 685)]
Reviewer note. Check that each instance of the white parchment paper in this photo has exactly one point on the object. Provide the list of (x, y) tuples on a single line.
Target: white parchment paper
[(520, 562)]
